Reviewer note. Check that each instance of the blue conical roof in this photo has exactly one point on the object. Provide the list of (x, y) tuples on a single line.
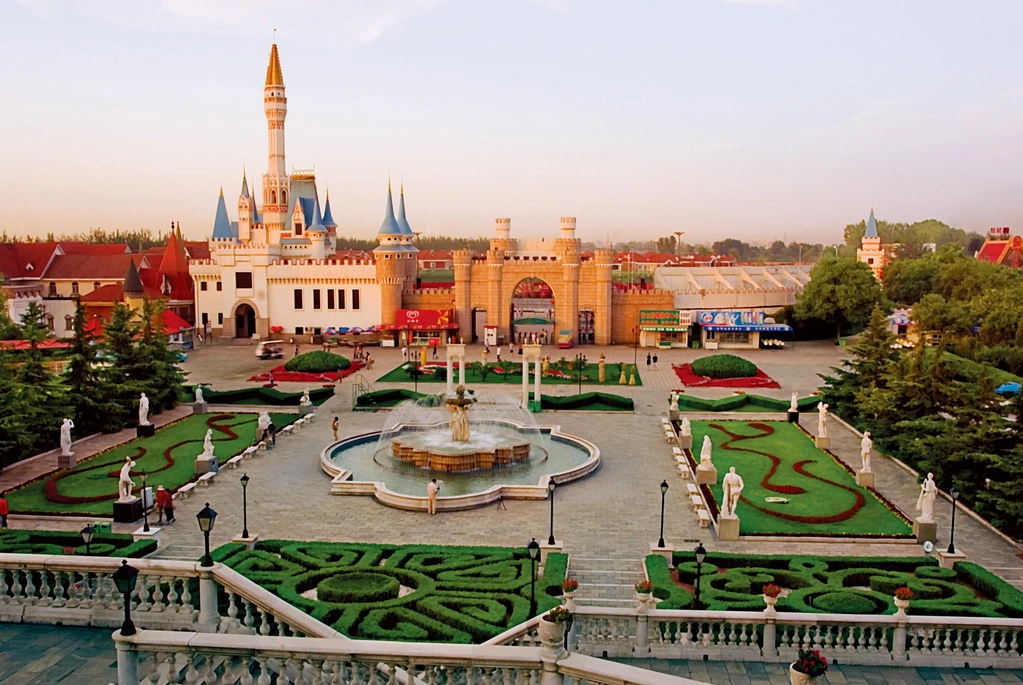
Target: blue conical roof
[(389, 225), (402, 221), (871, 226), (245, 185), (328, 220), (221, 223), (317, 224)]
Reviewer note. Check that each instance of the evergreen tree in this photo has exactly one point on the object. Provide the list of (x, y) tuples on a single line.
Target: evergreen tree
[(86, 391), (37, 390), (165, 379), (125, 377)]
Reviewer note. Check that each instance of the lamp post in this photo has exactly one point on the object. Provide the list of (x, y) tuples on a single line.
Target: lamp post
[(579, 371), (206, 517), (87, 534), (664, 491), (124, 579), (534, 551), (954, 493), (145, 508), (635, 349), (678, 245), (551, 487), (701, 554), (245, 505)]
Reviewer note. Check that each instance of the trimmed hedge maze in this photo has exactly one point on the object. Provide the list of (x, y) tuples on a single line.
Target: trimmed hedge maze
[(63, 542), (833, 585), (270, 397), (587, 401), (744, 402), (412, 593)]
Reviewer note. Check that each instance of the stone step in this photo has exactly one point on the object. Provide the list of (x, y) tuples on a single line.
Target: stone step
[(179, 552)]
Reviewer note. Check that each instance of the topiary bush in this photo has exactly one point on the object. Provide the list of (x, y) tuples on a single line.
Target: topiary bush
[(357, 587), (724, 366), (66, 542), (317, 361)]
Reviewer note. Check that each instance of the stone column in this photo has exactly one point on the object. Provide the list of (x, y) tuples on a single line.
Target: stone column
[(642, 625), (455, 352), (525, 381), (209, 612), (899, 640), (770, 638), (127, 660), (451, 375), (536, 378)]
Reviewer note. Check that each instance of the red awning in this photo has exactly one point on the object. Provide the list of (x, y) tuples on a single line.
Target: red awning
[(47, 344)]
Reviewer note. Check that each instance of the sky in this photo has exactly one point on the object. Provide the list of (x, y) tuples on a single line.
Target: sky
[(754, 119)]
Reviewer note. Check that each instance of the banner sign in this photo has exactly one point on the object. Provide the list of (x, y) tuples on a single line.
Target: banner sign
[(731, 318), (664, 317)]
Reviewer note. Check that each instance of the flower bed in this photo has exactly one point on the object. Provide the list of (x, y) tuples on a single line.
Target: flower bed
[(317, 361), (846, 585), (724, 366), (417, 593), (282, 375), (690, 379)]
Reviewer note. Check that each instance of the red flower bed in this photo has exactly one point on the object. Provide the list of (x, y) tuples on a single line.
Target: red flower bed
[(690, 379), (280, 374)]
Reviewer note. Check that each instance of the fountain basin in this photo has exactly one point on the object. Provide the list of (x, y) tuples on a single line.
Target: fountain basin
[(435, 451)]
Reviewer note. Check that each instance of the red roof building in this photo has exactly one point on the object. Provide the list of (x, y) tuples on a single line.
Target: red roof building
[(1002, 248)]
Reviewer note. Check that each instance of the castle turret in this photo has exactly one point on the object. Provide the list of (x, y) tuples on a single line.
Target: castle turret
[(871, 252), (132, 288), (502, 235), (222, 229), (568, 248), (390, 267), (317, 235), (276, 184), (462, 262), (411, 261), (245, 213), (603, 266)]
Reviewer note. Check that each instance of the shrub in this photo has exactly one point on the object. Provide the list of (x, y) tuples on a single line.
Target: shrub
[(317, 361), (724, 366), (844, 603), (584, 400), (260, 395), (665, 589), (57, 541), (357, 587), (386, 398)]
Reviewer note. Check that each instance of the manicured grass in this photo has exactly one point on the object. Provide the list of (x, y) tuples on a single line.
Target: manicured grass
[(455, 594), (514, 375), (842, 585), (70, 542), (745, 403), (168, 457), (823, 500)]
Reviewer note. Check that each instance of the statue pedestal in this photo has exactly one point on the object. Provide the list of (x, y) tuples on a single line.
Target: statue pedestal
[(946, 560), (128, 512), (206, 464), (865, 479), (925, 531), (66, 461), (822, 443), (706, 476), (153, 534), (249, 542), (665, 552), (728, 527), (199, 407), (305, 410), (685, 442), (673, 414), (546, 549), (793, 416), (145, 430)]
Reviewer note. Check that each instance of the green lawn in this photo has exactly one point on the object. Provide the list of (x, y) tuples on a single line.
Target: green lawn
[(514, 375), (744, 403), (168, 457), (823, 500)]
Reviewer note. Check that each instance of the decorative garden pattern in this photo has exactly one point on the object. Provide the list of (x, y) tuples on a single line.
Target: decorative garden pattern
[(70, 542), (417, 593), (833, 585), (819, 494)]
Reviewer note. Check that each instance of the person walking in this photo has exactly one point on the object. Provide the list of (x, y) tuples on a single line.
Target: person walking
[(404, 353), (296, 350), (4, 510), (432, 488), (333, 426), (165, 504), (655, 361), (498, 355), (648, 359), (340, 373)]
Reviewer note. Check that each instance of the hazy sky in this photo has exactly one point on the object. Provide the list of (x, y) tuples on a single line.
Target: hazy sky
[(759, 119)]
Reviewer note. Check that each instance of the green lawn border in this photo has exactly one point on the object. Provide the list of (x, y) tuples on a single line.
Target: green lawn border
[(514, 375), (23, 541), (745, 402)]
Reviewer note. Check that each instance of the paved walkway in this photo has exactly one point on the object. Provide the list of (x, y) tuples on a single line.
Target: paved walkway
[(48, 655)]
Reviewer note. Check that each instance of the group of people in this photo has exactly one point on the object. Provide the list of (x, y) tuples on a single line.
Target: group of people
[(651, 359)]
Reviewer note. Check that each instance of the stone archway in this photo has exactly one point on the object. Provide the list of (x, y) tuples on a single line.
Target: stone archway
[(244, 321), (532, 311)]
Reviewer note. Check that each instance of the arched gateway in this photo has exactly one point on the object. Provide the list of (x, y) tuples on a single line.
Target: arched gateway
[(532, 311), (244, 321)]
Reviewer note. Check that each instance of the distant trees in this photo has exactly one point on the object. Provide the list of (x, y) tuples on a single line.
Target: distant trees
[(842, 292), (137, 239), (912, 238)]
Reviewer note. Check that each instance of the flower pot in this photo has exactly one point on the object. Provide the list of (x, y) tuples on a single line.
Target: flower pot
[(901, 605), (552, 635), (770, 602), (799, 678), (568, 600), (643, 601)]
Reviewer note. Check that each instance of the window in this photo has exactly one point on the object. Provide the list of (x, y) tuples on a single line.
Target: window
[(298, 228), (870, 260), (205, 318), (220, 319), (284, 197), (202, 286), (220, 286), (69, 323), (316, 298), (330, 299), (340, 299), (355, 298), (49, 321), (298, 298), (243, 279), (95, 285), (299, 330), (53, 289), (74, 287)]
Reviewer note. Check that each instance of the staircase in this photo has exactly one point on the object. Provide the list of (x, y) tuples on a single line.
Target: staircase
[(360, 386), (605, 582)]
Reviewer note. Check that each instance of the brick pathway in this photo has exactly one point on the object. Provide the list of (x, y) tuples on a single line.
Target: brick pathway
[(47, 655)]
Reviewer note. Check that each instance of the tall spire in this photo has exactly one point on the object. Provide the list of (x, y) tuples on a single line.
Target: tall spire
[(871, 226), (245, 185), (389, 226), (328, 219), (402, 221), (221, 222), (132, 284), (274, 75)]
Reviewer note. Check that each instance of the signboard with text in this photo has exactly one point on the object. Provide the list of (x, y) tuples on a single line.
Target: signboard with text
[(731, 318), (664, 317)]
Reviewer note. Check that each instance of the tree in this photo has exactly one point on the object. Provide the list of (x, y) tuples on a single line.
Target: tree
[(85, 390), (37, 391), (8, 329), (843, 292), (165, 379), (126, 375), (934, 313)]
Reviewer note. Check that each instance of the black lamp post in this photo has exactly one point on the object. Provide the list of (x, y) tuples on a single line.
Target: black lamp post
[(664, 491), (954, 493), (87, 534), (635, 349), (124, 579), (145, 507), (206, 517), (245, 505), (701, 554), (551, 487), (534, 553), (579, 371)]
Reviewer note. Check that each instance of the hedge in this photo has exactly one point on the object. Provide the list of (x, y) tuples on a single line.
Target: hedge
[(59, 542), (458, 594), (317, 361), (585, 400), (259, 395), (743, 401), (724, 366), (385, 398), (735, 582)]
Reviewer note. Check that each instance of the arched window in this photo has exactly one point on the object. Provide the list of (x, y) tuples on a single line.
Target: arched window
[(284, 197), (69, 323), (49, 321), (74, 287), (95, 285), (273, 197), (53, 289)]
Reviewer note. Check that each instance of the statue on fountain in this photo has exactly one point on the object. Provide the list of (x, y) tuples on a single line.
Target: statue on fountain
[(459, 422)]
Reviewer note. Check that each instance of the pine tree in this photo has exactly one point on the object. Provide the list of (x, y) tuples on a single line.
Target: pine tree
[(85, 388), (42, 397), (165, 379), (125, 377)]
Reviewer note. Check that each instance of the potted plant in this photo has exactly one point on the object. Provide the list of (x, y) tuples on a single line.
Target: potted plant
[(771, 594), (551, 629), (568, 589), (902, 597), (644, 595), (808, 666)]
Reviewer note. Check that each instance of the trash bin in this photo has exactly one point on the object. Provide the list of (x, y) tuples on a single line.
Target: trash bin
[(841, 342), (101, 527), (695, 344)]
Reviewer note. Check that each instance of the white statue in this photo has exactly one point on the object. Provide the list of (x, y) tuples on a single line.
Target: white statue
[(65, 436), (143, 410), (263, 422), (686, 429), (673, 401), (731, 488), (305, 401), (198, 395), (459, 424), (866, 444), (124, 484), (822, 420), (207, 443), (706, 462), (925, 503), (794, 403)]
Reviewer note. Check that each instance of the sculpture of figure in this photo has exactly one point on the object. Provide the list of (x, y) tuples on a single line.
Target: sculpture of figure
[(925, 503), (600, 368), (263, 422), (198, 395), (822, 420), (65, 436), (731, 488), (422, 356), (686, 428), (459, 422), (673, 401), (865, 446), (794, 404), (143, 410), (706, 459), (207, 443), (305, 401), (124, 484), (545, 365), (461, 432)]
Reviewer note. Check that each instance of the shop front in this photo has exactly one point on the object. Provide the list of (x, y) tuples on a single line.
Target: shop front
[(740, 330), (664, 327), (423, 327)]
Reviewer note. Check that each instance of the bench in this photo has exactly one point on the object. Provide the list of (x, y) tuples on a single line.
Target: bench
[(678, 453), (185, 490), (683, 470), (696, 501), (704, 518), (309, 416), (207, 478), (287, 429), (669, 435), (249, 451), (693, 488), (233, 461)]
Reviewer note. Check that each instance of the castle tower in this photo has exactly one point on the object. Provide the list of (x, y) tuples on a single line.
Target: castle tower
[(502, 239), (132, 288), (317, 235), (462, 262), (601, 296), (871, 252), (566, 310), (245, 213), (276, 184), (410, 261), (389, 262), (222, 229)]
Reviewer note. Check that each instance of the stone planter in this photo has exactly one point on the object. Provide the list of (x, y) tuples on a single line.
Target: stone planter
[(901, 605), (799, 678), (568, 600), (643, 601), (552, 636), (770, 602)]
